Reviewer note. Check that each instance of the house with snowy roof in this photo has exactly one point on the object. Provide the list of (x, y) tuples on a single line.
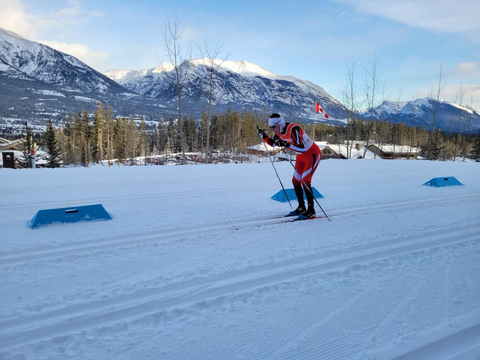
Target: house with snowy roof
[(11, 145), (262, 149), (354, 150), (394, 151)]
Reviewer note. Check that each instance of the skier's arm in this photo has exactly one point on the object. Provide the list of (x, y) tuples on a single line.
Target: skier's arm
[(276, 141), (297, 137), (269, 140), (262, 135)]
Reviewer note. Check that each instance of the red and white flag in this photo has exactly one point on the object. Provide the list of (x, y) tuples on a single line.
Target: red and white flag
[(319, 109)]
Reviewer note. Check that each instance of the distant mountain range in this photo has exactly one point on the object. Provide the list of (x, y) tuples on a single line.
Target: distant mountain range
[(38, 82), (449, 117), (237, 85)]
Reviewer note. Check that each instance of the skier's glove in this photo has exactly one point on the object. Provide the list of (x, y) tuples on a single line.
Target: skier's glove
[(281, 143), (261, 134)]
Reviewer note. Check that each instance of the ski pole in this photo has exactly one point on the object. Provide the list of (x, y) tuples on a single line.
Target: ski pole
[(309, 190), (271, 161)]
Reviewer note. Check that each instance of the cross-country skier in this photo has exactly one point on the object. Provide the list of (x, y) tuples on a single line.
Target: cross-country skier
[(292, 136)]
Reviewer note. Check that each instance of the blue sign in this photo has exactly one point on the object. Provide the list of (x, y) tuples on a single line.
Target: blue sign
[(280, 196), (69, 215), (444, 181)]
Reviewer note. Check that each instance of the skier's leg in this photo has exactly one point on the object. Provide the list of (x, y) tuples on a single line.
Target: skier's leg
[(311, 163), (297, 185)]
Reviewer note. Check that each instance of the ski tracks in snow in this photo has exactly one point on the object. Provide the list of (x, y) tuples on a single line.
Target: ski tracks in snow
[(370, 313), (103, 244), (376, 309)]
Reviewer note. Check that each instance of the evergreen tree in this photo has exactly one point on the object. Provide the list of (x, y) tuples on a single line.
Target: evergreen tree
[(436, 145), (53, 149), (119, 139), (202, 134), (214, 135), (191, 133), (62, 144), (475, 153), (160, 136), (27, 145), (142, 139), (68, 148), (171, 137), (99, 118), (109, 134), (85, 136), (76, 136), (131, 138)]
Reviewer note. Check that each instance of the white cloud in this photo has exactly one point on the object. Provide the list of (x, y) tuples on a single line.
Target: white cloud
[(190, 33), (468, 68), (13, 17), (460, 16), (96, 13), (80, 51), (471, 95), (65, 17)]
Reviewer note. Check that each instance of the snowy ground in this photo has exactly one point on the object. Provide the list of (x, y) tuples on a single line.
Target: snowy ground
[(182, 273)]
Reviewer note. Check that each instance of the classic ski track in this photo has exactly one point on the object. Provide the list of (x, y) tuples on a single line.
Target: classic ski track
[(302, 331), (65, 249), (74, 318), (108, 199), (435, 349)]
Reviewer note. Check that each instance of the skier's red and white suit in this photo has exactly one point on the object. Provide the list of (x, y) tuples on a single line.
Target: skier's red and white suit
[(307, 160)]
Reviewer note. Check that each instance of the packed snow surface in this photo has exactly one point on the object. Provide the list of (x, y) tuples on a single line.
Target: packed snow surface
[(193, 266)]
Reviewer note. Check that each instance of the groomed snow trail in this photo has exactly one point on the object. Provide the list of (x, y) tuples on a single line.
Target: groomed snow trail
[(395, 274)]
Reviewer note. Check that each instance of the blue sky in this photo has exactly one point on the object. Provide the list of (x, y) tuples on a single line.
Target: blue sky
[(311, 40)]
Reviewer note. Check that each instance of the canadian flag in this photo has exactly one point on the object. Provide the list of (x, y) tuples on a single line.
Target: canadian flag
[(319, 109)]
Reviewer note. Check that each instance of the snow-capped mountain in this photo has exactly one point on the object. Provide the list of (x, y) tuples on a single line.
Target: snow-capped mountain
[(34, 61), (38, 82), (450, 117), (237, 85)]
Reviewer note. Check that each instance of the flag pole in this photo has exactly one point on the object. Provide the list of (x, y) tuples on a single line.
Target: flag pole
[(318, 109), (314, 129)]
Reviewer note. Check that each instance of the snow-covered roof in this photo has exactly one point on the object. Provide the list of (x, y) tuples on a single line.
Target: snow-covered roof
[(354, 153), (261, 147), (6, 145), (396, 149)]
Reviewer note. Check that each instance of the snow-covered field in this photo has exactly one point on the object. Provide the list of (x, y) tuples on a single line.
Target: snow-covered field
[(182, 273)]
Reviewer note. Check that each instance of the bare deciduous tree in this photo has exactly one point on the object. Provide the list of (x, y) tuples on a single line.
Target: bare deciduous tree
[(460, 96), (179, 55), (371, 82), (350, 99), (469, 123), (212, 59), (442, 80)]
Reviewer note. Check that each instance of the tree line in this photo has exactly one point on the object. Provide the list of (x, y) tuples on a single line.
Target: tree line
[(87, 138)]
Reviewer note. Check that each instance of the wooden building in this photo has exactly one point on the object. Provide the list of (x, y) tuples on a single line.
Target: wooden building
[(394, 151)]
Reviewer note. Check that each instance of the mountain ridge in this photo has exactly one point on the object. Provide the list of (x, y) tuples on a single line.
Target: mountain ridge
[(237, 85), (38, 83), (449, 117)]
